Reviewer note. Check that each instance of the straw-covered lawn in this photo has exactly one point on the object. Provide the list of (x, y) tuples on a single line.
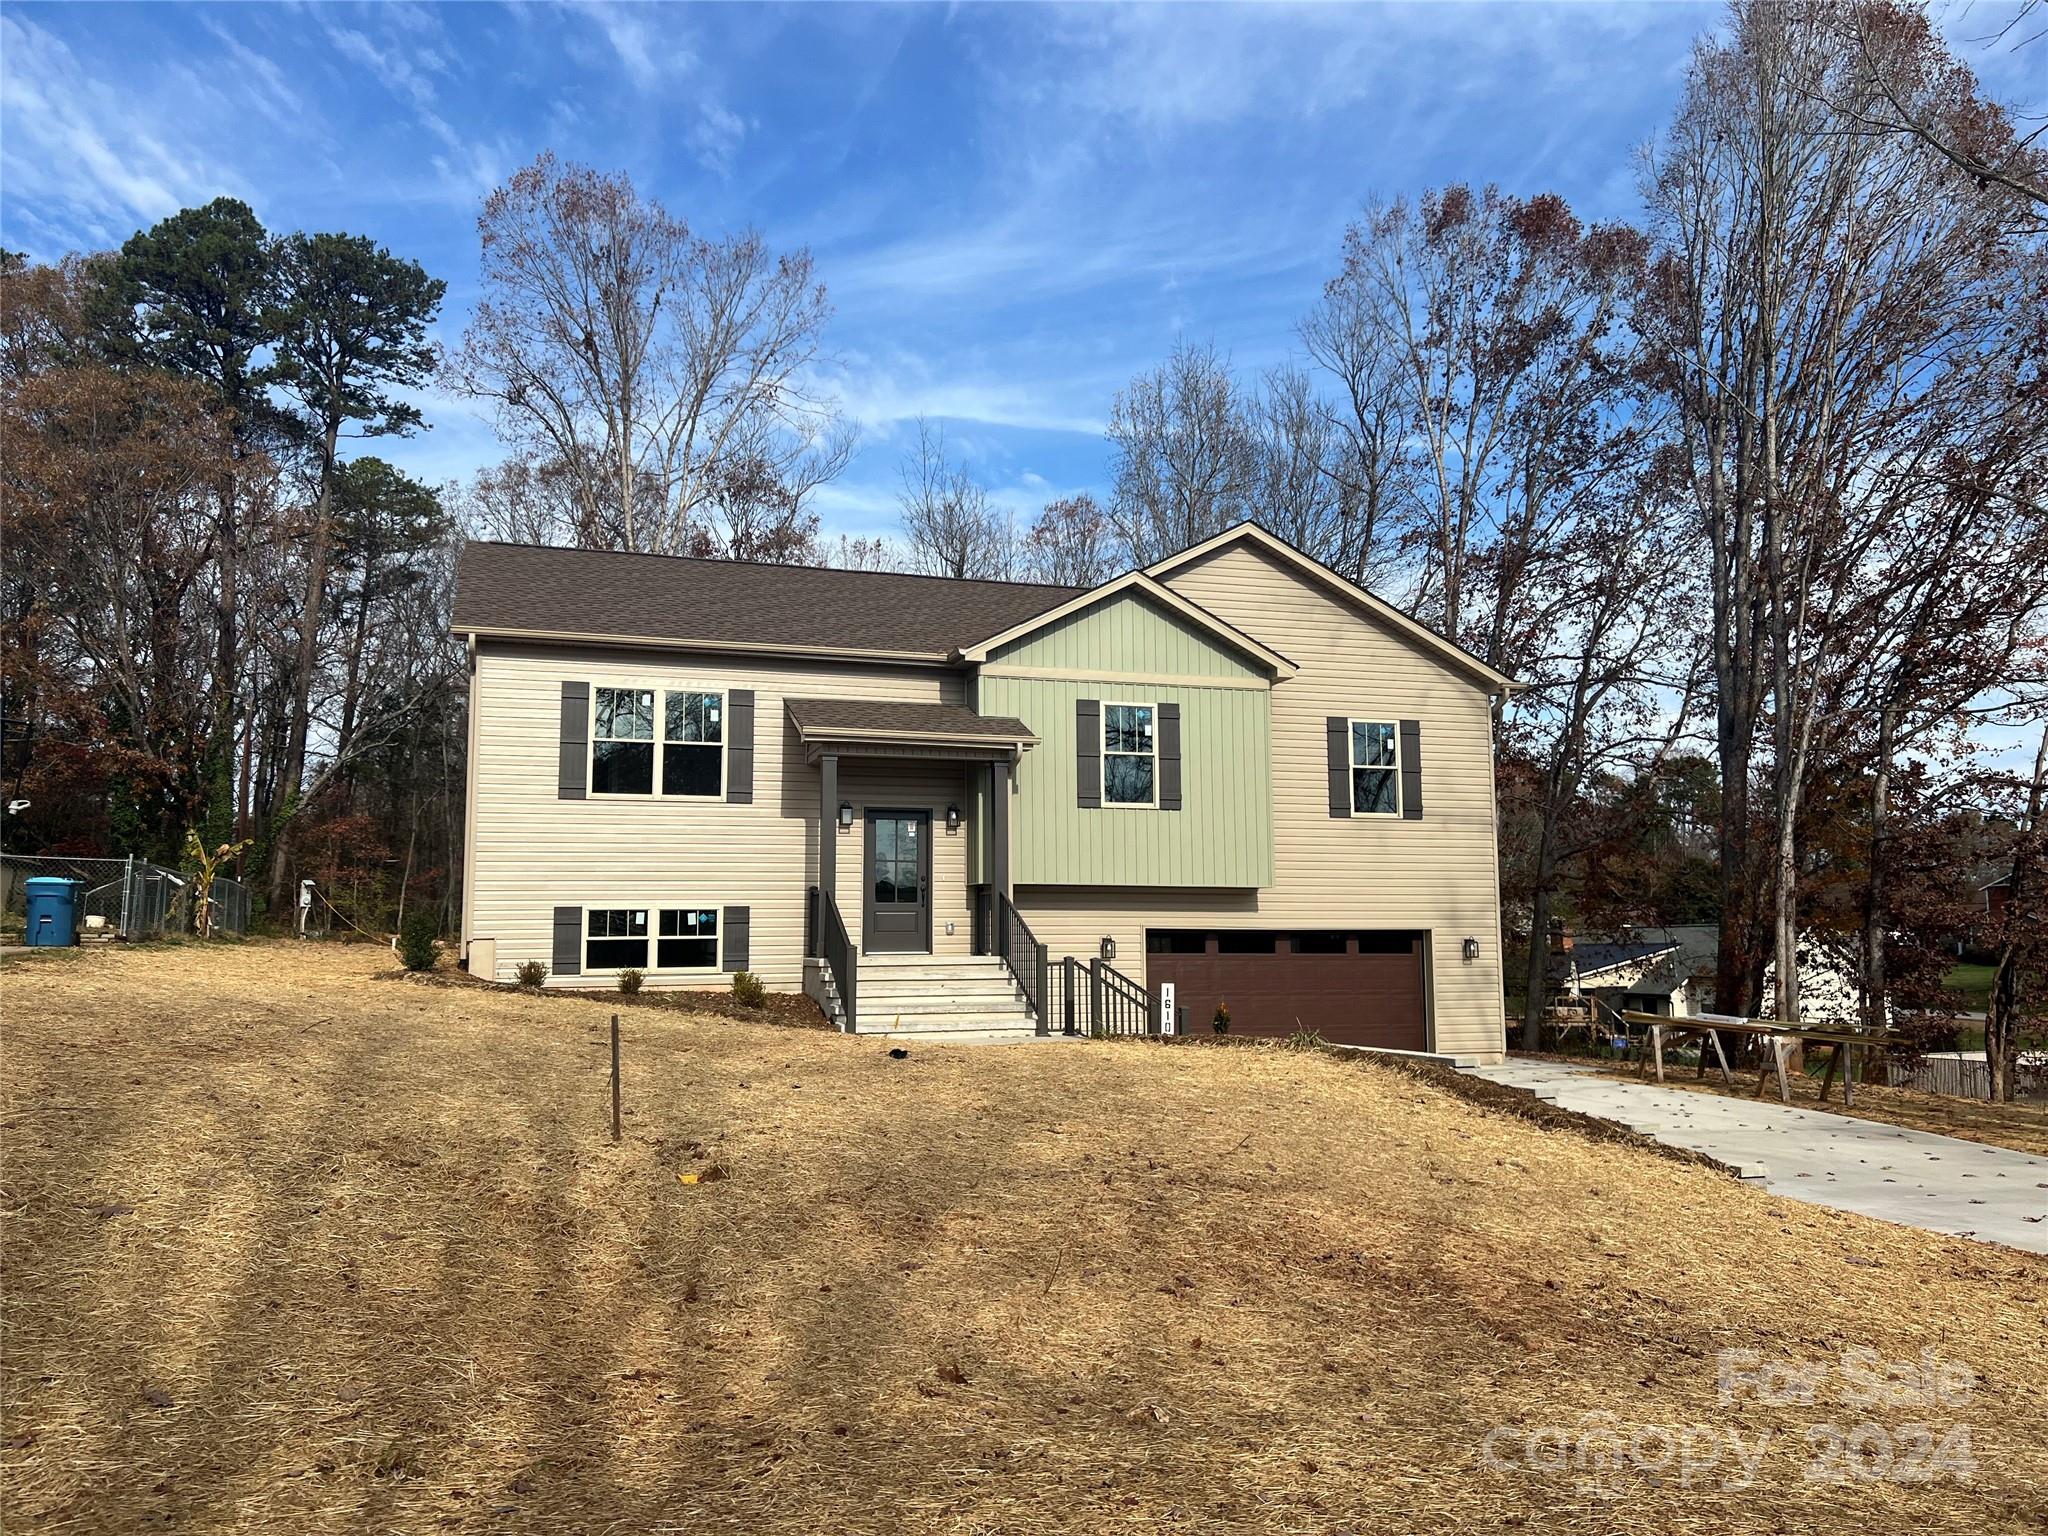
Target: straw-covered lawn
[(294, 1245)]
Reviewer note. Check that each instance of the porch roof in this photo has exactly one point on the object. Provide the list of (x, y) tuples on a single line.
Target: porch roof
[(872, 727)]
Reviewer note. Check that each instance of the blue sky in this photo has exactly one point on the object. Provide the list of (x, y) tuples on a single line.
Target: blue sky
[(1015, 209)]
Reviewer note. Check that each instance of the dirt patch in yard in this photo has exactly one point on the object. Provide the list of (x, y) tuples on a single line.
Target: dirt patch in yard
[(291, 1248)]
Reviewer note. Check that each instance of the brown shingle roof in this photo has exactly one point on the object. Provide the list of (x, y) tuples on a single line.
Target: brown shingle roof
[(892, 717), (543, 590)]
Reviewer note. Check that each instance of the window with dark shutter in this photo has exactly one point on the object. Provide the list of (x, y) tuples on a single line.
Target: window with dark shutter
[(1169, 757), (739, 747), (1411, 770), (1088, 753), (568, 947), (1339, 752), (572, 781)]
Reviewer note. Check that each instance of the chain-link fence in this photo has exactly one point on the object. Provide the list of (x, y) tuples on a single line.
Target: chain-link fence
[(125, 898)]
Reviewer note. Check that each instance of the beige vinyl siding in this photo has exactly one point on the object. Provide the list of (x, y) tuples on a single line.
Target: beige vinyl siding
[(1221, 836), (532, 851), (1438, 875), (1126, 634)]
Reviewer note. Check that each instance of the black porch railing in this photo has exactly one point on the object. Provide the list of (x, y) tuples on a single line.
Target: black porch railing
[(1025, 956), (1093, 997), (825, 939)]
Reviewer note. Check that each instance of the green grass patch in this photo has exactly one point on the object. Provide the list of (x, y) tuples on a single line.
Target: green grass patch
[(1972, 984)]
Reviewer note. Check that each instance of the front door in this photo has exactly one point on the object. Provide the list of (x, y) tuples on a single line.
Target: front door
[(899, 884)]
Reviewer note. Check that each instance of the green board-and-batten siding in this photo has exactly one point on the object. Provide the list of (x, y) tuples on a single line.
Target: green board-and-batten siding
[(1223, 833), (1128, 634)]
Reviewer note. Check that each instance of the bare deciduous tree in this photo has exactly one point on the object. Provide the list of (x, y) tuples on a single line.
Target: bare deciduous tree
[(1069, 543), (949, 523), (644, 363), (1184, 459), (1831, 309)]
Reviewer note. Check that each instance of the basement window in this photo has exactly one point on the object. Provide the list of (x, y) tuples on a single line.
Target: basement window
[(617, 939), (689, 939)]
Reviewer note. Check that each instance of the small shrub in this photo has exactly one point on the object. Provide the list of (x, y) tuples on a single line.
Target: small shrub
[(531, 973), (748, 990), (629, 981), (417, 944), (1221, 1022), (1305, 1039)]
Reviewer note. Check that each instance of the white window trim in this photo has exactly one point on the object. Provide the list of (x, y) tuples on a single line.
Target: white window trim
[(661, 691), (670, 904), (1103, 746), (626, 904), (655, 906), (1352, 765)]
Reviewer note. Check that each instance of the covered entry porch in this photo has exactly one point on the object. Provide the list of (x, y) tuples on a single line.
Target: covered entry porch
[(913, 799)]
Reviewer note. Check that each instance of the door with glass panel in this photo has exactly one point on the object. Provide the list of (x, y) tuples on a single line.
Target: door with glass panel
[(899, 882)]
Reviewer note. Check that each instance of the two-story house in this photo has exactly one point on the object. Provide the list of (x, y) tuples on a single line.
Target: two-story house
[(1235, 778)]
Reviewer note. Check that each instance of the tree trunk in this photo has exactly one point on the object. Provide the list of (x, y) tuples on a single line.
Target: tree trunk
[(2002, 1020), (305, 662), (1539, 965), (1876, 892)]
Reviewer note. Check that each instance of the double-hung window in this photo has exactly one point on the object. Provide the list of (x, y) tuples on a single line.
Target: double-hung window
[(1375, 768), (689, 939), (693, 744), (617, 939), (624, 742), (1130, 755)]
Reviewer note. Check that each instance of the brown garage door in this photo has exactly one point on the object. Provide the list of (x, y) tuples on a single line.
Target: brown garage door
[(1351, 987)]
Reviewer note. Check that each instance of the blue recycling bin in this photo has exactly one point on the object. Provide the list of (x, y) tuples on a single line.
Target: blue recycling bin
[(52, 910)]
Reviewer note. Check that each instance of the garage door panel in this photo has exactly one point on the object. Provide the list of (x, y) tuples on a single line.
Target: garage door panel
[(1349, 999)]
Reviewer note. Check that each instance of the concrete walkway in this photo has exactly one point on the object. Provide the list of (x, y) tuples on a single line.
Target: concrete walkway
[(1922, 1180)]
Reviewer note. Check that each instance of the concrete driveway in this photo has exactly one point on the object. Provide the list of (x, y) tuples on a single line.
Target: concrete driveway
[(1938, 1182)]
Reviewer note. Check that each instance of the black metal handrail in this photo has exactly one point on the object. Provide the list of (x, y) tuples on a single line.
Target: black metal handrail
[(1025, 956), (826, 932), (1093, 997)]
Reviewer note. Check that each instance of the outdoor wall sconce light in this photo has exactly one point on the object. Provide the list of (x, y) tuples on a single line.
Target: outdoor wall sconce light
[(952, 818), (846, 813), (1471, 949), (1108, 947)]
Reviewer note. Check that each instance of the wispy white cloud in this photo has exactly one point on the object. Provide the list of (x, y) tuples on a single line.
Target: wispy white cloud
[(263, 82), (406, 70), (656, 51), (880, 394), (107, 159)]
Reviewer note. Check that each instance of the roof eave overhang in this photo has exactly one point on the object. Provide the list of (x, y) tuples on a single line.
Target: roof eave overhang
[(477, 632), (834, 742)]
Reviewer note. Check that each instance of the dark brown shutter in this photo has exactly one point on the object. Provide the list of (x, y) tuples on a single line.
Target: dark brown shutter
[(1169, 757), (1411, 770), (1339, 731), (739, 746), (574, 776), (568, 941), (1088, 753), (736, 928)]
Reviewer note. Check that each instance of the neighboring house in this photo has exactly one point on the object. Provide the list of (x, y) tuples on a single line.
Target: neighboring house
[(1997, 895), (1649, 970), (1234, 772), (1671, 971)]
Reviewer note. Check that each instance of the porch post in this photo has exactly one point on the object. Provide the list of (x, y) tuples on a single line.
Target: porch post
[(999, 827), (828, 825)]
